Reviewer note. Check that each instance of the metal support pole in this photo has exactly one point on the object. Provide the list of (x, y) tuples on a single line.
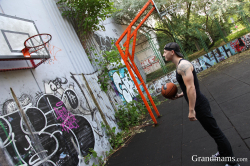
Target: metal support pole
[(127, 55)]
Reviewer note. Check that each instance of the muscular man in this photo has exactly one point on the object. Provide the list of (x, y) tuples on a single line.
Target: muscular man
[(199, 108)]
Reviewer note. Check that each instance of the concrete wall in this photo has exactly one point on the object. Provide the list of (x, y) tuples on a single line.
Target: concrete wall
[(58, 106), (146, 55)]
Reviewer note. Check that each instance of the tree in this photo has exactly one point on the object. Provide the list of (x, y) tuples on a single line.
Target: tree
[(86, 15), (182, 19)]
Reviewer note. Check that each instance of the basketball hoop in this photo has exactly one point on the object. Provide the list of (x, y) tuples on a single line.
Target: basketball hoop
[(38, 44)]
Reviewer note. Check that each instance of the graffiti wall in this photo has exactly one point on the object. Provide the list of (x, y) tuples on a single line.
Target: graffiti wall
[(204, 62), (104, 39), (123, 84), (151, 64), (58, 127), (145, 53), (104, 42), (58, 121)]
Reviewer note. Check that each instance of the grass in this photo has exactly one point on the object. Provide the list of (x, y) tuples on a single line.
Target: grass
[(170, 66), (237, 34)]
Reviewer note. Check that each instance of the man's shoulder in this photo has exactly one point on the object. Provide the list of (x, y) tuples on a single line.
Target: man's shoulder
[(184, 61), (184, 66)]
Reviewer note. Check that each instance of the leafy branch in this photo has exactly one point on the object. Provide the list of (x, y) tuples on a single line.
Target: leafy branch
[(86, 15)]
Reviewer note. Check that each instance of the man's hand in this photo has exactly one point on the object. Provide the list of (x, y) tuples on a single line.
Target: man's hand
[(192, 115), (177, 96)]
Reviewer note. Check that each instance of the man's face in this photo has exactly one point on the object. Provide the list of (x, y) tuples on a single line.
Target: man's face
[(168, 55)]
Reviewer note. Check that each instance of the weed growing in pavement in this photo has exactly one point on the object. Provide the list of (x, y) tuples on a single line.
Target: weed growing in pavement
[(101, 160), (131, 118)]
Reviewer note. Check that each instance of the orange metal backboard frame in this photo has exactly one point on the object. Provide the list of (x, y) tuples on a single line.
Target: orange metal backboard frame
[(130, 62)]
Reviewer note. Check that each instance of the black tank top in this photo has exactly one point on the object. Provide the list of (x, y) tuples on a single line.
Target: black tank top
[(201, 100)]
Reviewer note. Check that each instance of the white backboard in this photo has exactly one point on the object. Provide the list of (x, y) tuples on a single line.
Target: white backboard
[(13, 32)]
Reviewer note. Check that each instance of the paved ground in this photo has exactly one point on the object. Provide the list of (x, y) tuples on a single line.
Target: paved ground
[(175, 140)]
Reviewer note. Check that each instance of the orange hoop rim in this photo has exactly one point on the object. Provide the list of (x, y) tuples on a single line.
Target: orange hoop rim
[(44, 43)]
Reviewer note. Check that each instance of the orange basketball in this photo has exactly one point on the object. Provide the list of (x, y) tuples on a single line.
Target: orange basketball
[(169, 90)]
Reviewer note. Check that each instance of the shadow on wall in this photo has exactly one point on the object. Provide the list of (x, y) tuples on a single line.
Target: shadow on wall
[(204, 62)]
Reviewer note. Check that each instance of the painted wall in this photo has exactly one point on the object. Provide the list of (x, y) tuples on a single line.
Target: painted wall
[(123, 84), (63, 119), (113, 32), (204, 62), (146, 55)]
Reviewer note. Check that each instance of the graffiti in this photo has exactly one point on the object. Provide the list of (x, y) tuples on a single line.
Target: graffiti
[(206, 61), (87, 110), (219, 54), (69, 120), (72, 98), (123, 84), (246, 40), (172, 77), (110, 118), (116, 32), (151, 88), (238, 45), (226, 50), (55, 85), (155, 87), (54, 141), (99, 96), (53, 50), (63, 125), (9, 106), (150, 65), (105, 43), (197, 66), (108, 107)]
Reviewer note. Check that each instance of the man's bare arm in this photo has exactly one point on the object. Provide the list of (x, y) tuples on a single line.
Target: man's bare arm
[(185, 70)]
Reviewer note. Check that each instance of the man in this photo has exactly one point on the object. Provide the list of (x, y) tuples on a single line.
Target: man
[(199, 108)]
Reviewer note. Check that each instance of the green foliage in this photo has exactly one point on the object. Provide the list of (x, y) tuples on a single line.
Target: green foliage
[(87, 157), (116, 139), (111, 59), (237, 34), (86, 14), (183, 20), (128, 116), (105, 61), (93, 153), (133, 113)]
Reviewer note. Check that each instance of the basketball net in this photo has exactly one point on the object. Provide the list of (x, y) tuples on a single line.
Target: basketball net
[(37, 44)]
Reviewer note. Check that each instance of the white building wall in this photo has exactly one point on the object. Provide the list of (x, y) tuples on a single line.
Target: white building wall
[(63, 135), (146, 55)]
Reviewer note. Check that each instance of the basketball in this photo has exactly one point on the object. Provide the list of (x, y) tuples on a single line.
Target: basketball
[(169, 90)]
